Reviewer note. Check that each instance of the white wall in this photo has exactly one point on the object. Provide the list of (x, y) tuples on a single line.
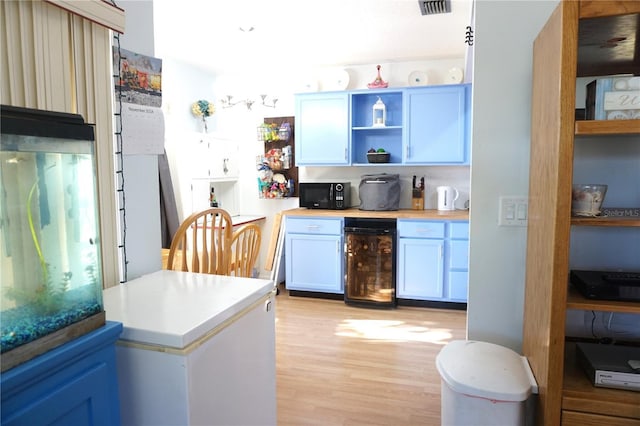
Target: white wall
[(504, 35), (140, 171)]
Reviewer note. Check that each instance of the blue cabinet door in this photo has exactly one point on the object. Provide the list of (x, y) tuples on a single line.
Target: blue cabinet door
[(73, 384), (437, 128), (314, 262), (322, 129), (458, 279), (420, 268), (314, 254)]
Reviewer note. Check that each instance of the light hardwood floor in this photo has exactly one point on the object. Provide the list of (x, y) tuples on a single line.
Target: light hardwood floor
[(343, 365)]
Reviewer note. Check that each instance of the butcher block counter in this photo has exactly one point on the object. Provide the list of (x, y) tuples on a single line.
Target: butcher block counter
[(394, 214)]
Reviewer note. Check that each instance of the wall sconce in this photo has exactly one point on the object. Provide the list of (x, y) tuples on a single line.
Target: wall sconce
[(228, 102), (273, 101)]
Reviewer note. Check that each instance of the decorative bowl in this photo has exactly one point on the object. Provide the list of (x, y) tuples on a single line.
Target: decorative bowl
[(378, 157), (586, 199)]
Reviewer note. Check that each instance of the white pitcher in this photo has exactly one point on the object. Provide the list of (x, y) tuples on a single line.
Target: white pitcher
[(447, 195)]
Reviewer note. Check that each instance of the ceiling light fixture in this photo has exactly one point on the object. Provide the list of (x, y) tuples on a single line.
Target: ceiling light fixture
[(228, 102)]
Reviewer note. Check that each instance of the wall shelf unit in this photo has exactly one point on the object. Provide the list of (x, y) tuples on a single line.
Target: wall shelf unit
[(286, 167), (563, 51)]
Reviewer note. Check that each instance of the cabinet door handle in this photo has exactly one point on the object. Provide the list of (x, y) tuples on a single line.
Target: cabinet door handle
[(407, 151), (313, 227), (440, 252), (345, 154)]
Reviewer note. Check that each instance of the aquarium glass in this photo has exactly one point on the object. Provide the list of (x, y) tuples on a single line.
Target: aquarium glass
[(50, 259)]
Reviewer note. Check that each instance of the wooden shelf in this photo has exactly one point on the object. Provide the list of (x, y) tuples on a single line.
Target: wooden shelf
[(579, 394), (576, 301), (607, 127), (376, 128), (606, 221), (570, 45)]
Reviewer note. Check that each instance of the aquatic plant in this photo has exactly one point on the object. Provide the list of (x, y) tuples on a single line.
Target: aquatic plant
[(34, 237), (47, 297)]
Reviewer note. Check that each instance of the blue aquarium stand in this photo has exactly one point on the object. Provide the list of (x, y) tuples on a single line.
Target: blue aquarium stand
[(74, 384)]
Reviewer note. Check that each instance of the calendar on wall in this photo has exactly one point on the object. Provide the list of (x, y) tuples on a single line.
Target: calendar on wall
[(139, 88)]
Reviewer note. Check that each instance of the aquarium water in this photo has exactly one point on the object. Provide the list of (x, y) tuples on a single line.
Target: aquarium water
[(50, 262)]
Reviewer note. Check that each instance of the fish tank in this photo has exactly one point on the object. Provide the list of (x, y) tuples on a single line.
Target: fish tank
[(50, 259)]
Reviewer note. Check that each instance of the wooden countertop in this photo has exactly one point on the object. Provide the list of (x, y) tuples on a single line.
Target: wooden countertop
[(395, 214)]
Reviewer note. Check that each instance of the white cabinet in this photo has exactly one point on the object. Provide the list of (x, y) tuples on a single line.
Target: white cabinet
[(214, 158), (195, 349), (314, 254)]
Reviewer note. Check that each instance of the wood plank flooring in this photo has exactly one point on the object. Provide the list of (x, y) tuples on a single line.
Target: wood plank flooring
[(343, 365)]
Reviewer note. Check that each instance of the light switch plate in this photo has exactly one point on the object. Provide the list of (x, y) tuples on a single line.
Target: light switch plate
[(513, 211)]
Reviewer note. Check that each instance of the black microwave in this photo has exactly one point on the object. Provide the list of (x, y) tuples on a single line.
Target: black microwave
[(318, 195)]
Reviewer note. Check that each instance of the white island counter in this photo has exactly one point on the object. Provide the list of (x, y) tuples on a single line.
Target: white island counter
[(195, 349)]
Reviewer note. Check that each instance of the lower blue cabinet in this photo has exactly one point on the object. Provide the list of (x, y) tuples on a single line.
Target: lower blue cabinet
[(73, 384), (458, 261), (432, 260), (314, 254)]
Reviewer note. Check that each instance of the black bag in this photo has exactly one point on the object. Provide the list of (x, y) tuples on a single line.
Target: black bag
[(380, 192)]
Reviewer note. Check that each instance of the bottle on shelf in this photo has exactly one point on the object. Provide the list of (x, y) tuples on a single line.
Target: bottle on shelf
[(213, 202)]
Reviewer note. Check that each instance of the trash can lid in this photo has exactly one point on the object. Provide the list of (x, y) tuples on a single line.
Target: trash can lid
[(485, 370)]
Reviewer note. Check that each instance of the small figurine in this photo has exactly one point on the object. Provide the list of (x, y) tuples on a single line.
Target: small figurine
[(378, 83)]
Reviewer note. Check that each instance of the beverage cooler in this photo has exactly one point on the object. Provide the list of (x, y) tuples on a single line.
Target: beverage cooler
[(370, 247)]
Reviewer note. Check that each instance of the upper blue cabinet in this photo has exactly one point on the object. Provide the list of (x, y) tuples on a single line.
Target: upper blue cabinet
[(322, 129), (427, 125), (437, 124), (384, 135)]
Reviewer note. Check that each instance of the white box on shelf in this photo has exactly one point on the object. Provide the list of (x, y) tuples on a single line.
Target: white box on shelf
[(613, 98)]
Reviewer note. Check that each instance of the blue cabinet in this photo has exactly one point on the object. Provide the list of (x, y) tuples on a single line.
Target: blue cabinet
[(73, 384), (427, 125), (458, 266), (314, 254), (366, 136), (437, 125), (322, 129), (420, 267), (432, 260)]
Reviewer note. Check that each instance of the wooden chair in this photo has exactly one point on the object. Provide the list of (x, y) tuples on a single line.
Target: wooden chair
[(245, 246), (202, 243)]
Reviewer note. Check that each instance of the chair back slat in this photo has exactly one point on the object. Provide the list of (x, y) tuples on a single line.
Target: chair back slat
[(202, 243), (245, 248)]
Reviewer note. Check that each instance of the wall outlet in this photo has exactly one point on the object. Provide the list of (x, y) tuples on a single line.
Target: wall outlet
[(513, 211)]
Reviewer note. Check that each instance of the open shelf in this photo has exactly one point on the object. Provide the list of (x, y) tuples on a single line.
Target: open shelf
[(607, 127), (606, 221), (578, 394), (576, 301)]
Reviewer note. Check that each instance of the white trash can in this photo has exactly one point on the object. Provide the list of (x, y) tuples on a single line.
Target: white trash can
[(483, 384)]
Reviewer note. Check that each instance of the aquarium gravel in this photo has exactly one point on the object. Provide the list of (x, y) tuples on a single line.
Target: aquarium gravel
[(23, 325)]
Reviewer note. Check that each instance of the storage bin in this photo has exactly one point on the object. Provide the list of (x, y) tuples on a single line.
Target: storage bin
[(483, 384)]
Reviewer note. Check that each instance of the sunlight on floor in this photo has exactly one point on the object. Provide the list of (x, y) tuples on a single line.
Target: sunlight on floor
[(395, 331)]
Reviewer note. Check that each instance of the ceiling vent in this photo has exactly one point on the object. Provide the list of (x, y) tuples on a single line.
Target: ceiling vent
[(434, 7)]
